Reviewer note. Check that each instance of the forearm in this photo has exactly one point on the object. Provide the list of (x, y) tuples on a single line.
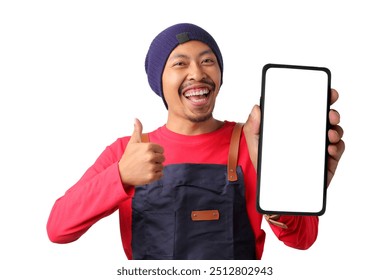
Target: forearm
[(84, 204)]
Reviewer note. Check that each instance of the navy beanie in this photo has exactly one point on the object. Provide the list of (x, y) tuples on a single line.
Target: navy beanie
[(164, 43)]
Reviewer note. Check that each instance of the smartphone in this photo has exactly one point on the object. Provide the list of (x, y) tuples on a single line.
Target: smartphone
[(292, 157)]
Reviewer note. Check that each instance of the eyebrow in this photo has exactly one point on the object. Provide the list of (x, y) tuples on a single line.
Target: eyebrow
[(179, 55)]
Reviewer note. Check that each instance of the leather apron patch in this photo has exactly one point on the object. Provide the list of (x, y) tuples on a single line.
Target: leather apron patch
[(205, 215)]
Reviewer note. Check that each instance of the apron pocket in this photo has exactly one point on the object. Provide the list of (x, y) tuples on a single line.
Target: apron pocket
[(203, 239), (159, 236)]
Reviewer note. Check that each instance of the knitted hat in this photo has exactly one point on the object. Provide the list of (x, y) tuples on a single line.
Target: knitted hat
[(165, 42)]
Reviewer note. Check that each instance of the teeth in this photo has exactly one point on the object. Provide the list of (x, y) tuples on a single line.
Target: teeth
[(196, 92)]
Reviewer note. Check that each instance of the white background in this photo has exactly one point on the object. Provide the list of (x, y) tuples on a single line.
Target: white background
[(72, 80)]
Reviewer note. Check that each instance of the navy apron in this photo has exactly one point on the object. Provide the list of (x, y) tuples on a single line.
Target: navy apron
[(195, 211)]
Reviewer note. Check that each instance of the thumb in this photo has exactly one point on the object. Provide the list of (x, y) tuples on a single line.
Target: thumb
[(253, 121), (137, 132), (252, 133)]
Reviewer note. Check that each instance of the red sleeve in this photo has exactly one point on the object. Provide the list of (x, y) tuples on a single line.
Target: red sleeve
[(301, 231), (96, 195)]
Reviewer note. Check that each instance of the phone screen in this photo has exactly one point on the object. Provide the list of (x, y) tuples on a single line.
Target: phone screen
[(292, 159)]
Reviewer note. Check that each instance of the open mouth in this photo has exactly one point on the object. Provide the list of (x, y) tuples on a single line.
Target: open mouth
[(198, 95)]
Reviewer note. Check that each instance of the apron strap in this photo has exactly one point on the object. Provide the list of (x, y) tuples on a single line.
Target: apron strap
[(145, 137), (233, 152)]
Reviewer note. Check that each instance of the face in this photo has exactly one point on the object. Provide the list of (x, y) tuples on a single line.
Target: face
[(191, 80)]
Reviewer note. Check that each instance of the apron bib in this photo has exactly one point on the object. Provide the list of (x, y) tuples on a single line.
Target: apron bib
[(196, 211)]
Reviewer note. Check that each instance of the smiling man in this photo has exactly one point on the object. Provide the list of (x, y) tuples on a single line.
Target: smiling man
[(188, 189), (188, 83)]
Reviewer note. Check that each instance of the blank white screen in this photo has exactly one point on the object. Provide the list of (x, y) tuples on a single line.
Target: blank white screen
[(293, 140)]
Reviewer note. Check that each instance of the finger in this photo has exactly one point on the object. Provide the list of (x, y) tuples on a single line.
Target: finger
[(152, 176), (253, 121), (331, 172), (252, 131), (332, 165), (137, 133), (334, 95), (158, 174), (334, 117), (335, 133), (333, 136), (154, 172), (154, 157), (339, 129), (158, 168), (157, 148), (335, 151), (255, 113), (159, 158)]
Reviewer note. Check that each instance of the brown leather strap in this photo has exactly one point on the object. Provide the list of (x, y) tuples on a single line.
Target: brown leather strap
[(233, 152), (273, 219), (145, 137)]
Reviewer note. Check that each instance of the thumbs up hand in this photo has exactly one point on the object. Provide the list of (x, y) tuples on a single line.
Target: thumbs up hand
[(141, 163)]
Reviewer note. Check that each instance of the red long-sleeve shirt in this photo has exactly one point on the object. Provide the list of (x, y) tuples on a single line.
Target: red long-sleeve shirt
[(100, 192)]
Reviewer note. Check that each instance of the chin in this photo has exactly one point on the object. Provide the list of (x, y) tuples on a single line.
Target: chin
[(199, 119)]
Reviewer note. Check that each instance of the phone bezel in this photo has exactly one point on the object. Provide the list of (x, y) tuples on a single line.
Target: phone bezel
[(259, 159)]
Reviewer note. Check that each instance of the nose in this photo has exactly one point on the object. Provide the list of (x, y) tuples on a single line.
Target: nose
[(196, 72)]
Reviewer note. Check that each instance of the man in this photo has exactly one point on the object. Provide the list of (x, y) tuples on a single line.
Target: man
[(188, 189)]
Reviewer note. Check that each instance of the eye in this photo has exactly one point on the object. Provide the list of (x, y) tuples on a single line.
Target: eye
[(208, 61), (178, 63)]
